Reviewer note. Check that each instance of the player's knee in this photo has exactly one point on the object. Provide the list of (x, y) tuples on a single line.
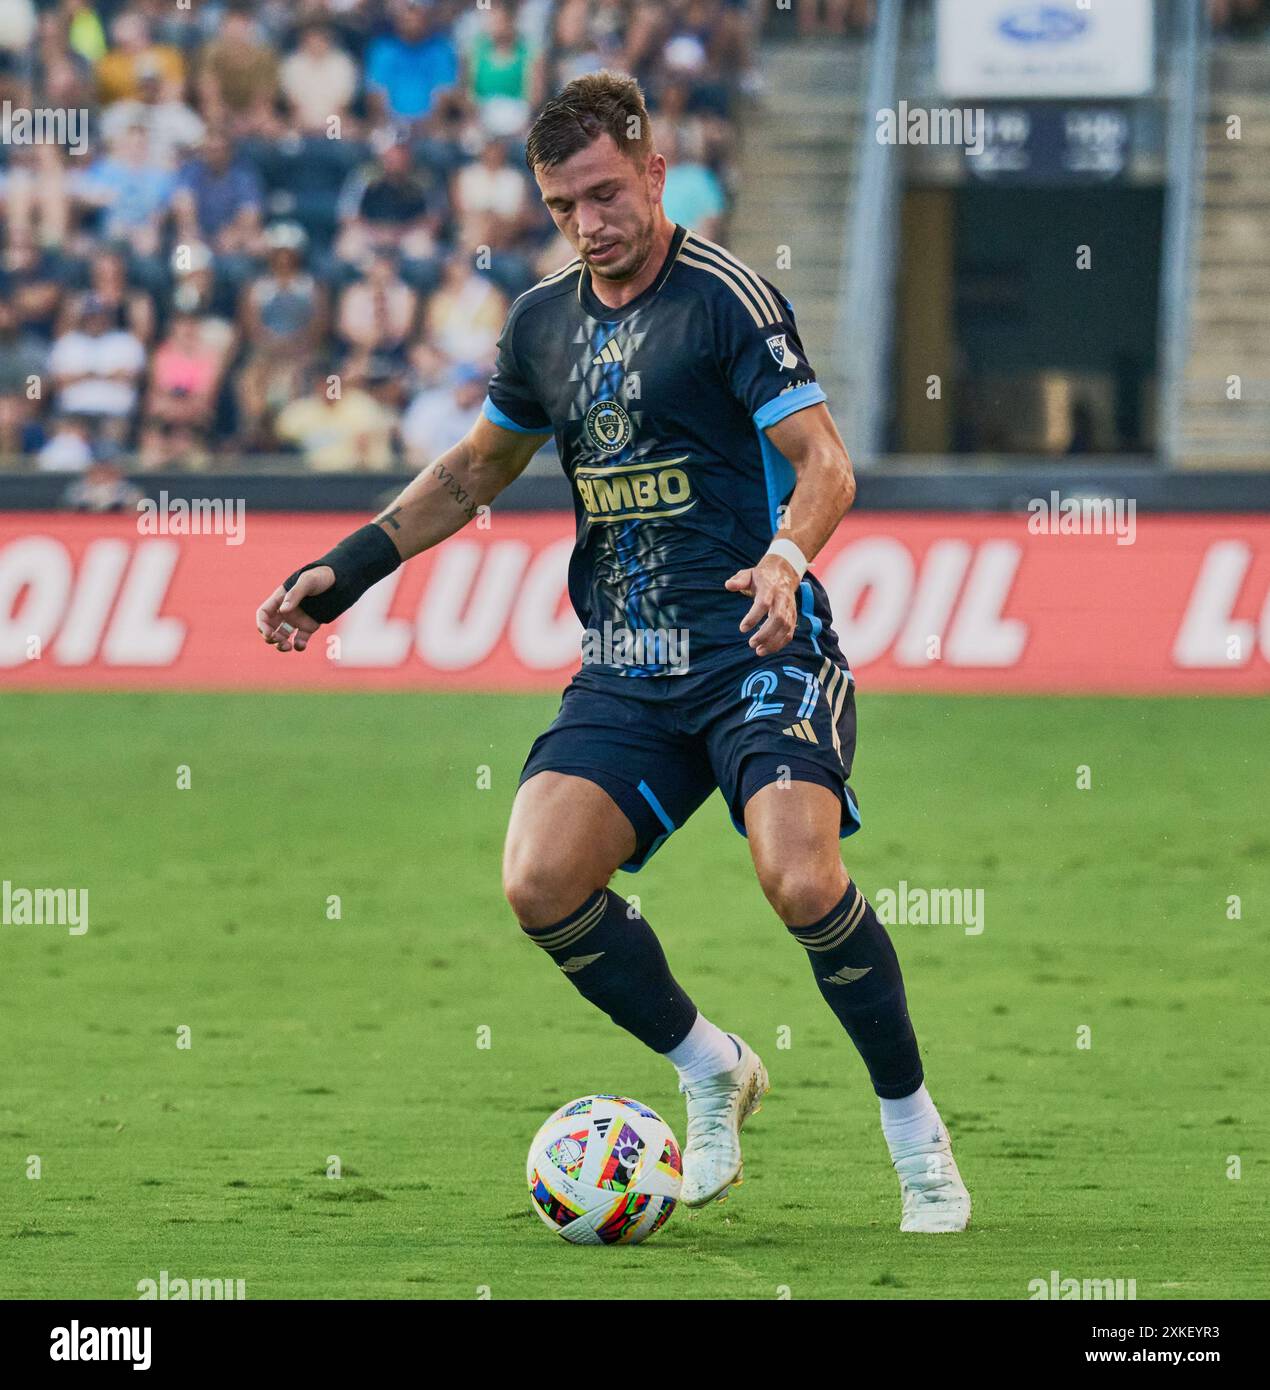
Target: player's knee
[(801, 892), (540, 892)]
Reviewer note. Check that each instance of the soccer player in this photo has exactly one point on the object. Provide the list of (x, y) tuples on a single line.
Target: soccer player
[(706, 472)]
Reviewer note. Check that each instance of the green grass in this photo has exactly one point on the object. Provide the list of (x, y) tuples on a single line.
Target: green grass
[(358, 1037)]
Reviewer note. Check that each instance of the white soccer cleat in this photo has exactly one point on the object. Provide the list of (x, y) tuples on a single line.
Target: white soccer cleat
[(717, 1108), (935, 1198)]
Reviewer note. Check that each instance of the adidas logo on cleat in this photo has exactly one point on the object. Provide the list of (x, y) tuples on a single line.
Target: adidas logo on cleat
[(802, 731)]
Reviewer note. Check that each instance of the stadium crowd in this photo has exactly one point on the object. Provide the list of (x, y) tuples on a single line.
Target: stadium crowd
[(296, 225)]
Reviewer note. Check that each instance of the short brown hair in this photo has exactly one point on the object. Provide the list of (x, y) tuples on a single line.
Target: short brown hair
[(598, 103)]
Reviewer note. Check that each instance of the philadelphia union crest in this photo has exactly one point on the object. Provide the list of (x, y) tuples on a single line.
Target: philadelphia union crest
[(608, 426)]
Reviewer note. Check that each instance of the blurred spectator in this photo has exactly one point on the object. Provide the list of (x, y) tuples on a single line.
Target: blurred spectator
[(102, 487), (407, 68), (383, 378), (464, 315), (170, 126), (582, 42), (62, 76), (439, 417), (84, 33), (732, 43), (132, 54), (504, 76), (694, 195), (128, 308), (238, 77), (184, 379), (377, 314), (69, 448), (283, 320), (195, 293), (318, 80), (686, 39), (96, 369), (338, 427), (218, 200), (37, 194), (491, 199), (22, 357), (394, 204), (704, 133), (30, 280), (131, 190)]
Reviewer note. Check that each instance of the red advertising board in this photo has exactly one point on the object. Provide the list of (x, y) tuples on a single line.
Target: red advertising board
[(923, 601)]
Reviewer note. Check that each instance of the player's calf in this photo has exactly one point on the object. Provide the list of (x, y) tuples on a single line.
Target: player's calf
[(565, 841), (858, 975), (612, 958), (793, 838)]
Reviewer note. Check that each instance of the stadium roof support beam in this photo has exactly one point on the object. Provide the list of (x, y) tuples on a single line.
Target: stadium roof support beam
[(1185, 78), (866, 302)]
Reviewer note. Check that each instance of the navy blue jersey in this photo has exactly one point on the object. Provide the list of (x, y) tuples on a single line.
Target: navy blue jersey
[(658, 409)]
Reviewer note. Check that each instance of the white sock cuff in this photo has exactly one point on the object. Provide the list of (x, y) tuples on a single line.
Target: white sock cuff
[(911, 1120), (907, 1107), (706, 1051)]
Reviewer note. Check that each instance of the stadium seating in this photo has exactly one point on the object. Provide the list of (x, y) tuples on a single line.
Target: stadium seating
[(218, 133)]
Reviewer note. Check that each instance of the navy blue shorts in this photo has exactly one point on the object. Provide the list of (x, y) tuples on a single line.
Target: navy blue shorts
[(660, 745)]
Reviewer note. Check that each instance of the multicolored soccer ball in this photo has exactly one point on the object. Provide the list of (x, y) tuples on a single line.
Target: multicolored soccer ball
[(604, 1170)]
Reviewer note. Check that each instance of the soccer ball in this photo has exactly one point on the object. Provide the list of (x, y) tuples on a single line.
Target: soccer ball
[(604, 1170)]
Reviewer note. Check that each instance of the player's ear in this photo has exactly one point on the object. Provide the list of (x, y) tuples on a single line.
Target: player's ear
[(656, 174)]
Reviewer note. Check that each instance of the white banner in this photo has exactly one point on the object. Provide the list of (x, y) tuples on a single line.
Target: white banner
[(1045, 48)]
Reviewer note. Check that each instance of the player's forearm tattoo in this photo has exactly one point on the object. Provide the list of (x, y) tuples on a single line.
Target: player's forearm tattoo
[(390, 519), (456, 490)]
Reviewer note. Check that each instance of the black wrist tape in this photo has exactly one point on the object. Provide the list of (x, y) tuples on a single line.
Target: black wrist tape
[(360, 560)]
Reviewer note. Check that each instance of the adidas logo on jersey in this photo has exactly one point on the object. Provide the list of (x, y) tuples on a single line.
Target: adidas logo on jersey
[(608, 354), (802, 731)]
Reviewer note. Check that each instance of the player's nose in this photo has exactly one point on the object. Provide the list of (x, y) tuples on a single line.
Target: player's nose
[(591, 227)]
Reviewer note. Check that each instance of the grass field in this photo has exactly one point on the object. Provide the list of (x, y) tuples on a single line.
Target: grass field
[(358, 1037)]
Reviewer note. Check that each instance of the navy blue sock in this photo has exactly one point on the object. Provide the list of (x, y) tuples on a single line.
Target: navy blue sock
[(858, 973), (613, 959)]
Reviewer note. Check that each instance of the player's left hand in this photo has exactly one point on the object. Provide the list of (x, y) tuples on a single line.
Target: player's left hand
[(282, 622), (772, 584)]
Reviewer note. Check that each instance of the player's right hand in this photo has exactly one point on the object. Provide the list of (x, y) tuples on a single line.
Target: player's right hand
[(281, 621)]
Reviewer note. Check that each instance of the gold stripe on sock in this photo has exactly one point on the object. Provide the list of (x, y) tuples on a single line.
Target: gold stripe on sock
[(839, 929), (573, 931)]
